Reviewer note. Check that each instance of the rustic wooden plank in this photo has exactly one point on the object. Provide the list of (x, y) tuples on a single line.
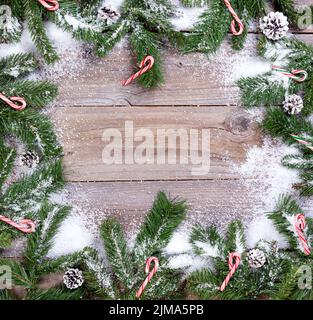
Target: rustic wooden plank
[(217, 202), (81, 130), (188, 81), (303, 2), (300, 5), (212, 201)]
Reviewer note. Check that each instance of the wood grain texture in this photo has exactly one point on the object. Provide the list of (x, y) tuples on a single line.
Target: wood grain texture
[(303, 2), (302, 6), (84, 110), (190, 79), (215, 201), (81, 130), (208, 202)]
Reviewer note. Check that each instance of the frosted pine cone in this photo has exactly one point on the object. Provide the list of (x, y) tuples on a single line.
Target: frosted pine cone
[(293, 104), (73, 278), (29, 159), (108, 14), (274, 25), (256, 258)]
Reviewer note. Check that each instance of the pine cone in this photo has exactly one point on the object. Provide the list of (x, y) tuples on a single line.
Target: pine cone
[(108, 14), (29, 159), (293, 104), (256, 258), (274, 25), (73, 278)]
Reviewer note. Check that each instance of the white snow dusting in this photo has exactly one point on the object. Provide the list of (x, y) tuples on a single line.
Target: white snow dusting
[(262, 228), (264, 175), (72, 236), (229, 65), (261, 174), (116, 4), (186, 18), (181, 256), (188, 262), (24, 45), (179, 243)]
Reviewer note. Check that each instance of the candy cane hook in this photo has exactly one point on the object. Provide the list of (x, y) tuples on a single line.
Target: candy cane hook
[(302, 141), (145, 65), (236, 19), (293, 74), (9, 101), (51, 5), (150, 274), (25, 225), (232, 268), (300, 226)]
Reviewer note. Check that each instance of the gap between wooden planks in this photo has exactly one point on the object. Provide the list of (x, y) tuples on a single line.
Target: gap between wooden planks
[(189, 81), (96, 101), (218, 197), (231, 133), (81, 126)]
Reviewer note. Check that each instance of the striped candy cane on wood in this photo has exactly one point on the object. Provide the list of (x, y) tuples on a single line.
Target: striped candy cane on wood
[(300, 226), (10, 101), (293, 74), (51, 5), (25, 225), (232, 268), (302, 141), (236, 19), (150, 274), (145, 65)]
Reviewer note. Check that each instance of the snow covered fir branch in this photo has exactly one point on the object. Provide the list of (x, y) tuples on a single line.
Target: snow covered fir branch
[(145, 22), (266, 271), (31, 165), (29, 173), (122, 275), (286, 92), (260, 271), (214, 24), (28, 274)]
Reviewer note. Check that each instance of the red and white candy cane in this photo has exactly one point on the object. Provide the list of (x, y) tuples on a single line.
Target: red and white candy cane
[(300, 226), (302, 141), (150, 274), (293, 74), (51, 5), (145, 65), (10, 101), (233, 266), (236, 19), (25, 225)]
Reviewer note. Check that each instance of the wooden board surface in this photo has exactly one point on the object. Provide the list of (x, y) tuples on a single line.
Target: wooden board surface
[(300, 3), (190, 79), (212, 201), (194, 96), (227, 132)]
